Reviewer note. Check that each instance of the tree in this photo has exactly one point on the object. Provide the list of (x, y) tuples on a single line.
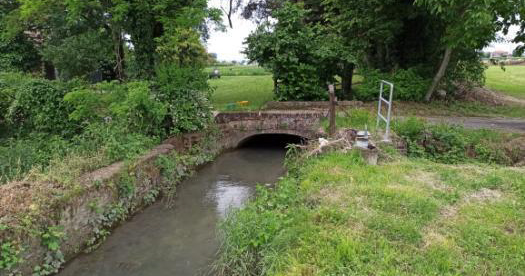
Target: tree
[(414, 35), (470, 25), (17, 52), (159, 30), (291, 49), (518, 52)]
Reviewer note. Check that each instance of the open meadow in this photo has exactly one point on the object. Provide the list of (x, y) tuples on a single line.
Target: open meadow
[(510, 81), (256, 90)]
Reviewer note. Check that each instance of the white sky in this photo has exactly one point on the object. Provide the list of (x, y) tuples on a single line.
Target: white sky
[(229, 45), (505, 45)]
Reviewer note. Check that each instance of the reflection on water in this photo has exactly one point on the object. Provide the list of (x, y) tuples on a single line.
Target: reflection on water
[(228, 194), (182, 240)]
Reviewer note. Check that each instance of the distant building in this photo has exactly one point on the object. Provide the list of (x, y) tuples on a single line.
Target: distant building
[(499, 54)]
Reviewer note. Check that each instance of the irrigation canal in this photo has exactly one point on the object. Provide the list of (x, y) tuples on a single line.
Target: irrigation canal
[(182, 240)]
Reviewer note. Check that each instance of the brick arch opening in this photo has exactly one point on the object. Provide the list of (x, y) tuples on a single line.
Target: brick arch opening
[(279, 140)]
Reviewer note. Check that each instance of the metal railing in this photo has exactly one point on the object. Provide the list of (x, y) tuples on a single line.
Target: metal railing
[(386, 137)]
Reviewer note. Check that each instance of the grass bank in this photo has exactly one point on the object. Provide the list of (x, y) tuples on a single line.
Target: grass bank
[(510, 81), (335, 215)]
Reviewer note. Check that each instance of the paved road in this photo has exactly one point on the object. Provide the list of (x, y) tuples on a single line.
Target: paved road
[(502, 124)]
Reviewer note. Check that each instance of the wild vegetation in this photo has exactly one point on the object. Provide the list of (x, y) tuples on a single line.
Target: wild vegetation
[(113, 120), (64, 95)]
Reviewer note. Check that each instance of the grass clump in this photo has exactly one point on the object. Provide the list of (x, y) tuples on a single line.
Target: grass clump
[(335, 215)]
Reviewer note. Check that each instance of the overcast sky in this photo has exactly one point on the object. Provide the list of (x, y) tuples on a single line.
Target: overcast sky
[(228, 45)]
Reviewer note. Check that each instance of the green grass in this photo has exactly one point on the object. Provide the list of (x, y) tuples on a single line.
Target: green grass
[(510, 82), (454, 108), (335, 215), (257, 90), (240, 70)]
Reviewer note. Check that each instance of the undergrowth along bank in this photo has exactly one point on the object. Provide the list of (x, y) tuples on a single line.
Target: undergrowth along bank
[(335, 215), (46, 121), (444, 143), (45, 222)]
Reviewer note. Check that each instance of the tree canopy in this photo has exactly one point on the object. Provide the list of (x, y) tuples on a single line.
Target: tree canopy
[(81, 37), (439, 40)]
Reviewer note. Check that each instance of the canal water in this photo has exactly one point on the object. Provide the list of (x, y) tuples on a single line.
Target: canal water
[(182, 240)]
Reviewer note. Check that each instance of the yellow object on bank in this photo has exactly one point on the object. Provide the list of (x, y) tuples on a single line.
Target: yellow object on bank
[(243, 103)]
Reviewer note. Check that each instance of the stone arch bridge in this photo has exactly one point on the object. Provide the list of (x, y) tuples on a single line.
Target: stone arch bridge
[(237, 127)]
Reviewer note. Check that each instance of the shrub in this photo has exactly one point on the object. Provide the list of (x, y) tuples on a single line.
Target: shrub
[(115, 141), (186, 93), (132, 105), (140, 111), (409, 85), (9, 85), (37, 105), (300, 84)]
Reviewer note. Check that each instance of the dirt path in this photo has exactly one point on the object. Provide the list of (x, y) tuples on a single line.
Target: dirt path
[(502, 124)]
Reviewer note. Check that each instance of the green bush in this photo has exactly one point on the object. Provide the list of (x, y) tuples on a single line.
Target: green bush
[(186, 93), (290, 49), (37, 105), (9, 85), (105, 122), (409, 85), (132, 105), (115, 141), (300, 84)]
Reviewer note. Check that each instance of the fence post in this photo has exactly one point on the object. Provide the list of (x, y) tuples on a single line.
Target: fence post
[(333, 103)]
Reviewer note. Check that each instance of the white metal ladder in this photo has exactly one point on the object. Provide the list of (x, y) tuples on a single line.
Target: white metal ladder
[(386, 137)]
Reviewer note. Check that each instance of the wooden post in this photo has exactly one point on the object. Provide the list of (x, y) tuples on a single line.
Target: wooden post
[(333, 102)]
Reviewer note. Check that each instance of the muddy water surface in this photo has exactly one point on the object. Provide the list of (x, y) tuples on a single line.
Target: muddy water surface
[(182, 240)]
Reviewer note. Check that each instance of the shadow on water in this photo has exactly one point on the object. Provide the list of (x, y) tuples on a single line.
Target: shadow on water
[(182, 240), (271, 141)]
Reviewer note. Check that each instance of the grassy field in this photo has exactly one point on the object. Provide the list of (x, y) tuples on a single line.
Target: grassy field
[(240, 70), (335, 215), (257, 90), (244, 83), (510, 82)]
